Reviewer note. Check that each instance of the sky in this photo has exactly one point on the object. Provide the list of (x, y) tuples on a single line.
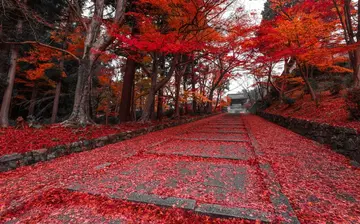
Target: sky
[(255, 6)]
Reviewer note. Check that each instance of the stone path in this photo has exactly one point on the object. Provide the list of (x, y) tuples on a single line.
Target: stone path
[(208, 169), (214, 167)]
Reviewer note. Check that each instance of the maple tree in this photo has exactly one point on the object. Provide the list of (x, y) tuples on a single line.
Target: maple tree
[(81, 62), (162, 41), (303, 34), (175, 56)]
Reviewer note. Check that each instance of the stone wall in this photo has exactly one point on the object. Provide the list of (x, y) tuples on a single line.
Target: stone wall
[(12, 161), (341, 139)]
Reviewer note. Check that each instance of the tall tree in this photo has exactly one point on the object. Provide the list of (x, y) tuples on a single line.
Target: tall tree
[(97, 41)]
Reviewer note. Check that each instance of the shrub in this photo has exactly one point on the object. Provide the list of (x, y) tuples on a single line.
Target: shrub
[(353, 103)]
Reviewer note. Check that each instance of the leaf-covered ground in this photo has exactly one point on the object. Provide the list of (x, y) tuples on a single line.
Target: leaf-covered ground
[(332, 110), (14, 140), (322, 186), (189, 168)]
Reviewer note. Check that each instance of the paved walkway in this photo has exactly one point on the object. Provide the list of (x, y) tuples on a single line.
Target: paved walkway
[(228, 168)]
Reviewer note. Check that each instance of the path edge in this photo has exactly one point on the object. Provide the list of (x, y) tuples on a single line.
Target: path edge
[(15, 160)]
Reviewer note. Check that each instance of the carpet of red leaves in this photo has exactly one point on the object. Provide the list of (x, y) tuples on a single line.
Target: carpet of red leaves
[(14, 140), (321, 185), (60, 206), (332, 110), (37, 193)]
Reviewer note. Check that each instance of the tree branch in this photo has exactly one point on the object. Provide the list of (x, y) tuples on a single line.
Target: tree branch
[(43, 45)]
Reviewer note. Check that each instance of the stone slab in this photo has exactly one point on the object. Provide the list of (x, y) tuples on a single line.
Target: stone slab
[(102, 166), (167, 202), (205, 149), (221, 132), (213, 139), (224, 127), (243, 213), (215, 135), (278, 199), (220, 183)]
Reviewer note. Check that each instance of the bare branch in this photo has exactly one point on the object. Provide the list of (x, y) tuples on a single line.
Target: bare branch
[(43, 45)]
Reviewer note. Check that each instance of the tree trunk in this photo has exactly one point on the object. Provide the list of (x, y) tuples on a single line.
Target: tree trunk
[(133, 104), (92, 112), (146, 115), (209, 105), (356, 74), (5, 105), (94, 39), (193, 83), (125, 105), (177, 94), (160, 105), (312, 92), (56, 102), (80, 114), (58, 90), (153, 106), (33, 100), (217, 99), (307, 83), (149, 104), (185, 95)]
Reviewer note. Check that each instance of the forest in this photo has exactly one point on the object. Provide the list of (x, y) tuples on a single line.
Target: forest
[(81, 62), (180, 111)]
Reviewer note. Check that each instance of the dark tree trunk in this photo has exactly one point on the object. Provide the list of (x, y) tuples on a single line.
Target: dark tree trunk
[(33, 100), (155, 86), (57, 91), (90, 108), (209, 105), (177, 94), (133, 104), (305, 76), (153, 106), (356, 73), (149, 103), (125, 105), (193, 83), (5, 105), (56, 102), (185, 89), (217, 100), (148, 107), (160, 105)]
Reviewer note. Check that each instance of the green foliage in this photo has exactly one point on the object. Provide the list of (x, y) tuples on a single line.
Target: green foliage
[(268, 13)]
